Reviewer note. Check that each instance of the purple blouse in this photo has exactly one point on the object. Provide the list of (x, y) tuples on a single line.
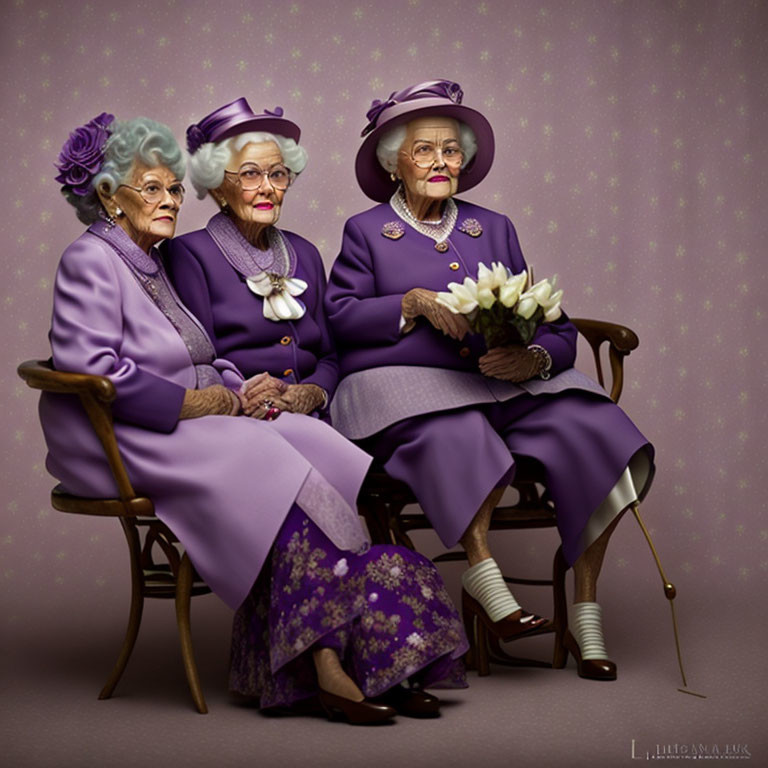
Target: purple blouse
[(297, 351)]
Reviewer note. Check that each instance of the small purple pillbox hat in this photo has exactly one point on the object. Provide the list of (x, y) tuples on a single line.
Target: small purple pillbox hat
[(235, 118), (434, 97)]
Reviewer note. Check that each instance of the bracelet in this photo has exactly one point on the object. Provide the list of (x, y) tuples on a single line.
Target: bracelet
[(544, 358)]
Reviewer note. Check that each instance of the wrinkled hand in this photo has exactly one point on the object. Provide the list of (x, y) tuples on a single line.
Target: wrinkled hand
[(300, 398), (420, 302), (513, 363), (259, 389), (211, 401)]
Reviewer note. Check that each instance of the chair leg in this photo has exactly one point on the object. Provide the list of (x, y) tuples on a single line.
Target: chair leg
[(134, 622), (560, 617), (481, 651), (470, 658), (183, 599), (136, 610)]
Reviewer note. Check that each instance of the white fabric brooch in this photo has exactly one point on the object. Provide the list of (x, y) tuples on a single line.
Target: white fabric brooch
[(278, 293)]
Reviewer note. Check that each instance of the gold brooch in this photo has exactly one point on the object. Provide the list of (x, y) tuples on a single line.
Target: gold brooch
[(471, 227), (393, 230)]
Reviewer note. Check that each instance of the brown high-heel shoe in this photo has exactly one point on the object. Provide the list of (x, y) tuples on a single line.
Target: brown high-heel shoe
[(411, 702), (365, 712), (591, 669), (524, 625), (479, 627)]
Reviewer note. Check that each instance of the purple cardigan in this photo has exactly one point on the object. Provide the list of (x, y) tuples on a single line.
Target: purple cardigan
[(373, 272), (218, 295)]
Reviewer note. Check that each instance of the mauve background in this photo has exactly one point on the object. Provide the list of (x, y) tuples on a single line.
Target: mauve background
[(631, 142)]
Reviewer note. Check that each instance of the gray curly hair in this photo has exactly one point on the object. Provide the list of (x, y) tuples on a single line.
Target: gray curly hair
[(129, 140), (207, 165), (390, 143)]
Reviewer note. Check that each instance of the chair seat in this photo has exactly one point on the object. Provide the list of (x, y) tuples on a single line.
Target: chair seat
[(140, 506)]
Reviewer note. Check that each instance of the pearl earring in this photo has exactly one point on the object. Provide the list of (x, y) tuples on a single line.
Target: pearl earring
[(118, 211)]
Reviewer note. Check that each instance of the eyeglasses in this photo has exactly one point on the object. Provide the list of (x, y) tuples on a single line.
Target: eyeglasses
[(153, 192), (425, 155), (250, 176)]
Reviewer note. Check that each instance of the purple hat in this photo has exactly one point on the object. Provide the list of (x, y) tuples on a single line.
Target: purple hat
[(435, 97), (236, 118)]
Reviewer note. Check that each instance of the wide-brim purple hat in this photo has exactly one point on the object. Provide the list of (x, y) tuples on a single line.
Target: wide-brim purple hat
[(436, 97), (235, 118)]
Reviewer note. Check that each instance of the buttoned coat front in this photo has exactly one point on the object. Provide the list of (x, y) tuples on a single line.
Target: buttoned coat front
[(421, 406), (297, 351)]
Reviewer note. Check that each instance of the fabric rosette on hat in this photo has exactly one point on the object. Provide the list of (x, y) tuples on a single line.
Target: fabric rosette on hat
[(82, 155), (503, 307)]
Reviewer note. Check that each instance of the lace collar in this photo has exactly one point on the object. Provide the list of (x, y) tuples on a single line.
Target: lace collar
[(279, 258)]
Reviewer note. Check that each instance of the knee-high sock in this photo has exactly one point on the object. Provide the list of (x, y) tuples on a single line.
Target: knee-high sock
[(587, 626), (485, 583)]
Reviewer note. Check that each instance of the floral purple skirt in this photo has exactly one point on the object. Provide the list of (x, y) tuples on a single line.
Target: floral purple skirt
[(385, 612)]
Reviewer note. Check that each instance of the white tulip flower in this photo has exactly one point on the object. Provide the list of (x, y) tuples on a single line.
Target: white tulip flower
[(462, 299), (526, 306), (540, 291), (500, 274), (485, 297), (485, 278), (510, 291), (553, 313)]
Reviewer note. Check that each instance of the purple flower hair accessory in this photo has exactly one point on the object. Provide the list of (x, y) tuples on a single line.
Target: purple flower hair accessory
[(82, 155)]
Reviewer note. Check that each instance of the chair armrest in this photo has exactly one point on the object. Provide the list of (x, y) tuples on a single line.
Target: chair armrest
[(96, 394), (40, 374), (621, 341)]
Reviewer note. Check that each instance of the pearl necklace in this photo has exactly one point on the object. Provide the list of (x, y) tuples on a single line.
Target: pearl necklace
[(439, 231)]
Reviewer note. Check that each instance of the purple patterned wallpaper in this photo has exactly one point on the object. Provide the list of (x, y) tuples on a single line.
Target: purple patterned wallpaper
[(631, 156)]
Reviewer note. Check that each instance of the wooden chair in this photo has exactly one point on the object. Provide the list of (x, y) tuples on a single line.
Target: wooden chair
[(382, 500), (175, 578)]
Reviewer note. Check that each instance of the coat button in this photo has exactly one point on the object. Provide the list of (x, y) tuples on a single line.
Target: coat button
[(454, 265), (464, 352), (288, 372), (285, 341)]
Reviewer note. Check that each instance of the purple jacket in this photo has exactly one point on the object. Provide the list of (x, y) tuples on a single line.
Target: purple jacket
[(298, 351), (373, 272)]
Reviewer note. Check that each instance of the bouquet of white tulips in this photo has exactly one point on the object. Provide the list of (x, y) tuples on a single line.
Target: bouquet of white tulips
[(504, 307)]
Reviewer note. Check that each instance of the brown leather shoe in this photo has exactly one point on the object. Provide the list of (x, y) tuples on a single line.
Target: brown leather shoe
[(508, 628), (365, 712), (591, 669), (411, 702)]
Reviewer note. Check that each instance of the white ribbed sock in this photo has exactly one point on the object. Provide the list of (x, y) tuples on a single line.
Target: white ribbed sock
[(485, 583), (587, 627)]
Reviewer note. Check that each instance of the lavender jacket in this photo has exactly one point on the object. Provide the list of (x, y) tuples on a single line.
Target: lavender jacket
[(298, 351), (389, 375), (224, 485)]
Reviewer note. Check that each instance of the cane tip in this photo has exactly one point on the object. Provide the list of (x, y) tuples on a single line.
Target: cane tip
[(669, 591)]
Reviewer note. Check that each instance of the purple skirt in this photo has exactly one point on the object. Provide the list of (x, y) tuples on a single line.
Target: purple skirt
[(386, 613), (452, 460)]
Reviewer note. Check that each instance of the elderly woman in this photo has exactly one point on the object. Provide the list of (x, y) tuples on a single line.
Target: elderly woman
[(257, 290), (417, 390), (266, 509)]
